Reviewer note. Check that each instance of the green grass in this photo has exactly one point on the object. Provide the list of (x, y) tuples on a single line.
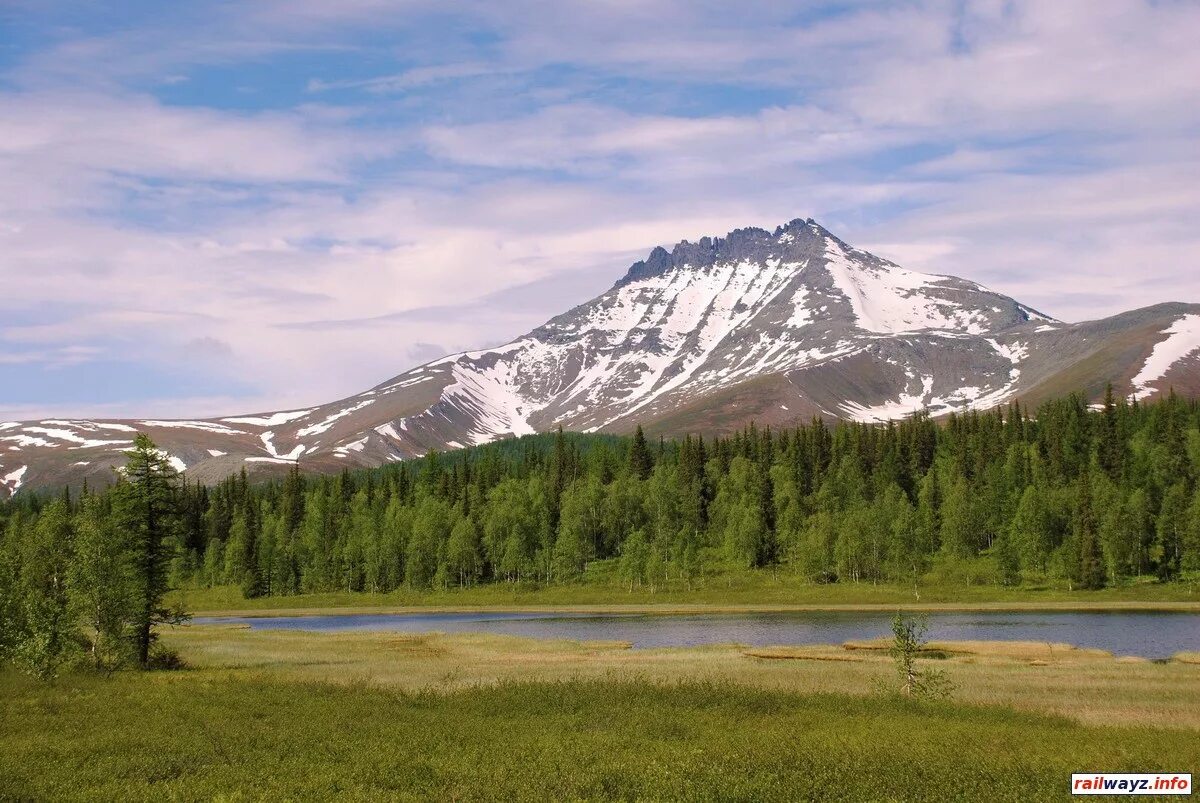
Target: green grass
[(189, 735), (1089, 686), (746, 588)]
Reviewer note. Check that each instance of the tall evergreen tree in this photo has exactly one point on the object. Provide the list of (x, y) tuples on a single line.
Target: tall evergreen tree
[(1110, 445), (640, 461), (146, 510), (1091, 559)]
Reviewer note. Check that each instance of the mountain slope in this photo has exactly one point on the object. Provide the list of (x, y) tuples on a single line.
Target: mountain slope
[(769, 326)]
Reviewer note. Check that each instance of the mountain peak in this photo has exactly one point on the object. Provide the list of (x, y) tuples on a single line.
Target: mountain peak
[(750, 243), (707, 336)]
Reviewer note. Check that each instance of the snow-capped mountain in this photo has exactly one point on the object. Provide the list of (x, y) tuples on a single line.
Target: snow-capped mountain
[(774, 327)]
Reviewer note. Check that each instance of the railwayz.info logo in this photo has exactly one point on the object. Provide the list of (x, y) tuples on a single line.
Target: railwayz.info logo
[(1146, 783)]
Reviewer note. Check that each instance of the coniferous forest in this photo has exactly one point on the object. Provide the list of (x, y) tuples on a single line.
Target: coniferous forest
[(1084, 496)]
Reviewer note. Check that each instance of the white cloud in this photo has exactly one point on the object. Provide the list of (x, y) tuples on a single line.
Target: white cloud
[(133, 135), (1035, 147)]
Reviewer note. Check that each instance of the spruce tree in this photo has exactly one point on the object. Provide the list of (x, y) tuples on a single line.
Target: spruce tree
[(929, 513), (145, 509), (1110, 447), (640, 462), (1091, 560)]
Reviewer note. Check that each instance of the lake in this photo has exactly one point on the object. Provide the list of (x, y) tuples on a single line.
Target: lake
[(1149, 634)]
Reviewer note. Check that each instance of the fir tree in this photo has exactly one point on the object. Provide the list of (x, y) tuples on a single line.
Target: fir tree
[(1110, 446), (640, 461), (145, 508), (1091, 560)]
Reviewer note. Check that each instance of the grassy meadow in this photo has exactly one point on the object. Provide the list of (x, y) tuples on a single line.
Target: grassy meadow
[(735, 590), (381, 716), (1089, 686)]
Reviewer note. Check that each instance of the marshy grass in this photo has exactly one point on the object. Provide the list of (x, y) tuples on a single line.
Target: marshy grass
[(747, 590), (1040, 651), (1088, 686), (285, 714), (203, 735)]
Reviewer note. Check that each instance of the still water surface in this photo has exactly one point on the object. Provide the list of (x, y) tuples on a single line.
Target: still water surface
[(1147, 634)]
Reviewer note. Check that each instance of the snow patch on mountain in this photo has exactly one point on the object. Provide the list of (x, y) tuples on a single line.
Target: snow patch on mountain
[(64, 436), (801, 314), (206, 426), (28, 440), (269, 444), (88, 425), (329, 421), (886, 300), (905, 405), (408, 381), (491, 396), (747, 288), (13, 479), (174, 461), (388, 431), (1183, 339), (273, 420), (353, 446), (1013, 352)]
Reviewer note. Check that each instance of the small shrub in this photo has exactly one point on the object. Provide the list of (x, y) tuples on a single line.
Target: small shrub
[(825, 577), (908, 641), (162, 658)]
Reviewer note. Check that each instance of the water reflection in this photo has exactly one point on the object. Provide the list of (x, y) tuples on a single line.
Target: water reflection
[(1147, 634)]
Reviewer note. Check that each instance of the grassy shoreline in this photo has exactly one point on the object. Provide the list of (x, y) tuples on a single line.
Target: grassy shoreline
[(1089, 685), (669, 609), (271, 714), (741, 594)]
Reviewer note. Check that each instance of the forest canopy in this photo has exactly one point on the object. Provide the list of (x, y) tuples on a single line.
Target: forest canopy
[(1086, 496)]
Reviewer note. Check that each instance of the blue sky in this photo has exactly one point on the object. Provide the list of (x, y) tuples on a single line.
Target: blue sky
[(220, 207)]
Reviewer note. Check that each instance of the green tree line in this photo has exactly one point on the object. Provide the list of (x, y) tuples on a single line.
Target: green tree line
[(1085, 496), (84, 581)]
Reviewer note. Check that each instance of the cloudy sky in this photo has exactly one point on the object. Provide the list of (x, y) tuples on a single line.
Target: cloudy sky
[(237, 205)]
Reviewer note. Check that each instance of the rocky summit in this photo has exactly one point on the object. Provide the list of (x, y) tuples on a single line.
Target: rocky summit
[(768, 326)]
